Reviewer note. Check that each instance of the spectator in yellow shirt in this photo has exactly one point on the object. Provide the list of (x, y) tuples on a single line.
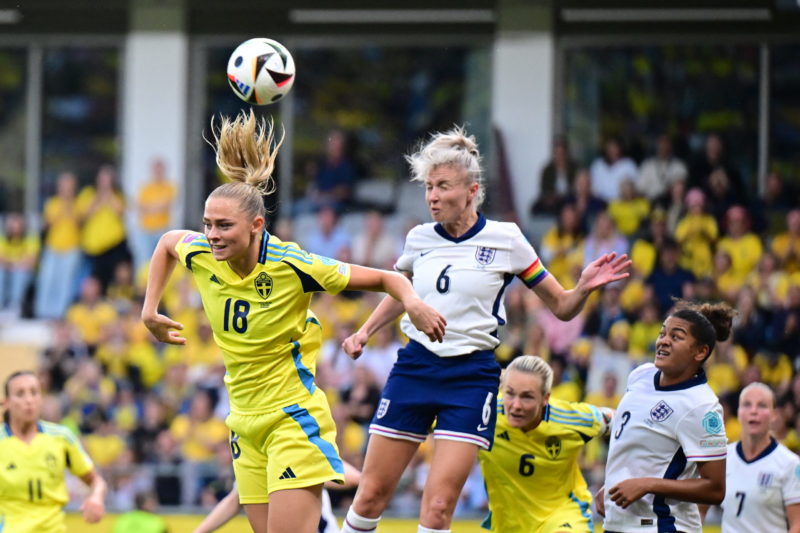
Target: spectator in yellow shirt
[(742, 246), (629, 210), (786, 245), (697, 232), (560, 243), (18, 252), (199, 434), (103, 237), (58, 268), (90, 314), (154, 211)]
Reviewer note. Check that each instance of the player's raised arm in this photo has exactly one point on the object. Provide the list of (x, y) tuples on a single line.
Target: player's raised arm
[(161, 266), (424, 317)]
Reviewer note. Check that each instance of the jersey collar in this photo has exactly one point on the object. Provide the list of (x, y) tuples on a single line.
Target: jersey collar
[(471, 232), (768, 450), (262, 251), (698, 379), (9, 433)]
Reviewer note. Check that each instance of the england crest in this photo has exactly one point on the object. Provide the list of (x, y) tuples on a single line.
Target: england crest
[(484, 255), (661, 411), (383, 407), (263, 285)]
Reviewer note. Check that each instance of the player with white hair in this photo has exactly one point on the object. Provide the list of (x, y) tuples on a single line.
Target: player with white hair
[(461, 264)]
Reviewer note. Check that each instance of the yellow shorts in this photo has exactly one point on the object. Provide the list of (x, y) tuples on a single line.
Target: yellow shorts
[(300, 442), (574, 518)]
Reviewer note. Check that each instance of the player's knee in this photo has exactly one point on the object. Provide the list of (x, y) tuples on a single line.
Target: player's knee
[(438, 509), (371, 498)]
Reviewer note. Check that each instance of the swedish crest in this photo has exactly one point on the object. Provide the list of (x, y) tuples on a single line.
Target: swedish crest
[(553, 446), (484, 255), (263, 285)]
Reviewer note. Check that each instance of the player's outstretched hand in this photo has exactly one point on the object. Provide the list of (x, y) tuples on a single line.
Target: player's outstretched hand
[(163, 328), (354, 344), (626, 492), (426, 319), (93, 510), (603, 270)]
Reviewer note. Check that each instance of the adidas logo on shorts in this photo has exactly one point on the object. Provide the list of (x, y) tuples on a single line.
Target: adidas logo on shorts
[(287, 474)]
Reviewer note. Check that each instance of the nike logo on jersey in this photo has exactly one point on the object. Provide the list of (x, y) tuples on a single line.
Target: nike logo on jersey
[(504, 435), (287, 474), (425, 253), (214, 279), (481, 427)]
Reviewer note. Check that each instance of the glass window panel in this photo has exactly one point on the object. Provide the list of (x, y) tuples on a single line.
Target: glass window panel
[(785, 112), (13, 109), (385, 99), (685, 91), (79, 112)]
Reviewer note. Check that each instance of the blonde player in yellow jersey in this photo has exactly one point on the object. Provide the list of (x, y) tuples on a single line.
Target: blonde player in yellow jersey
[(256, 291), (33, 457), (531, 473)]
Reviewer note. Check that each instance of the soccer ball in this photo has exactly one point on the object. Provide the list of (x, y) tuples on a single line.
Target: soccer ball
[(261, 71)]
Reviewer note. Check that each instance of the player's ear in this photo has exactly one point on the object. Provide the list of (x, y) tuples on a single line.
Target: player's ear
[(702, 353), (258, 224)]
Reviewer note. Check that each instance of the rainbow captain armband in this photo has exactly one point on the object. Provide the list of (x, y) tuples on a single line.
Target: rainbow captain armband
[(535, 273)]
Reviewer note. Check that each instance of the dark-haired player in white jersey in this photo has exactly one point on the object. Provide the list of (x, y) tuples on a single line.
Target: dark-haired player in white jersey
[(762, 476), (668, 444), (463, 262)]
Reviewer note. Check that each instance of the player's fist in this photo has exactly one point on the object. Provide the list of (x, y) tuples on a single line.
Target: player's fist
[(93, 510), (163, 328), (354, 344), (426, 319)]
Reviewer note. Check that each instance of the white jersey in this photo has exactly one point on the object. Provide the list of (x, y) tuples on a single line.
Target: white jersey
[(757, 492), (661, 432), (464, 279)]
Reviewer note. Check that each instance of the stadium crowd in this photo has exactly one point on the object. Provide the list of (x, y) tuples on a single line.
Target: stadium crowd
[(152, 416)]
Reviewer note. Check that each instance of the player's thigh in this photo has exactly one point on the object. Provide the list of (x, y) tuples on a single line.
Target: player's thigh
[(249, 469), (301, 446), (258, 516), (569, 520), (385, 462), (450, 467), (295, 510)]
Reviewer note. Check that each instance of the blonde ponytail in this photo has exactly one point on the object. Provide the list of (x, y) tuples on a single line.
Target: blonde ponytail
[(246, 149)]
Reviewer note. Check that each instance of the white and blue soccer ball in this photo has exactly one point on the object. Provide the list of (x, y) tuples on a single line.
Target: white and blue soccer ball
[(261, 71)]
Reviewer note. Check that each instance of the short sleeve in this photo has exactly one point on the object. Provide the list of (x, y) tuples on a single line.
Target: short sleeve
[(525, 263), (405, 263), (701, 434), (78, 461), (318, 273), (191, 244), (791, 487)]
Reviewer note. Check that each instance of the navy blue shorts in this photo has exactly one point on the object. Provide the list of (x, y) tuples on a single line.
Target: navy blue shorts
[(458, 393)]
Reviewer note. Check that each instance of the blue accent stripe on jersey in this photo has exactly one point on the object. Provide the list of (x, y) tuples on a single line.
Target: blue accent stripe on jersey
[(666, 522), (471, 232), (303, 372), (569, 422), (312, 430), (584, 507), (262, 251), (574, 412), (313, 321), (294, 253), (507, 279), (201, 244)]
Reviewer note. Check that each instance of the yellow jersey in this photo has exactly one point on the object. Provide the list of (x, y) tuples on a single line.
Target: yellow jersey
[(531, 475), (16, 250), (158, 194), (261, 322), (103, 229), (32, 488)]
